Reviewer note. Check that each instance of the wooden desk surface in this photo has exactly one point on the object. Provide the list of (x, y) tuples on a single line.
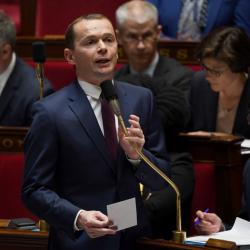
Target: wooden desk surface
[(157, 244), (28, 240), (11, 239)]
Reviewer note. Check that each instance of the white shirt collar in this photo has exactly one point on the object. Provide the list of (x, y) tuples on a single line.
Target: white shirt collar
[(151, 68), (6, 74), (91, 90)]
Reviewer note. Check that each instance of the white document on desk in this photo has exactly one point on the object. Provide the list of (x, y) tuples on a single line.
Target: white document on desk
[(245, 143), (240, 234), (123, 213)]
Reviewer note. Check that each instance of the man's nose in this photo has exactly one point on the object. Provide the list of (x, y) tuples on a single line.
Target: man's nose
[(140, 43), (101, 46)]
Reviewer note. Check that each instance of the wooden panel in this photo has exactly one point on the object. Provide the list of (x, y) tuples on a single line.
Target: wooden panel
[(224, 153), (181, 51), (23, 240), (11, 138), (148, 244), (27, 240)]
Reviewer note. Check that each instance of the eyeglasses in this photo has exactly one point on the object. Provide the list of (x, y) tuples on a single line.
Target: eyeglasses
[(213, 72), (147, 37)]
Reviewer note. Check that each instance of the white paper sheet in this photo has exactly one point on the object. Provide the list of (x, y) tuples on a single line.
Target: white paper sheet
[(245, 143), (240, 234), (123, 213)]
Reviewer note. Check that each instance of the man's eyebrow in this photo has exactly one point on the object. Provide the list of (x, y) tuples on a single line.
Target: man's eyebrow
[(97, 37)]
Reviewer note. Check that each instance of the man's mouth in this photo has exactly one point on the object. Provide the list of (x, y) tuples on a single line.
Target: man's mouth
[(102, 61)]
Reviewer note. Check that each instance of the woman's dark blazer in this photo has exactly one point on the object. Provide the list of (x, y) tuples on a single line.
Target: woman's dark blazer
[(204, 106)]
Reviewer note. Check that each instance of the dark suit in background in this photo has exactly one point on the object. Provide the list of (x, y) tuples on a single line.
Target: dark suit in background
[(220, 13), (70, 168), (204, 106), (20, 92), (170, 84)]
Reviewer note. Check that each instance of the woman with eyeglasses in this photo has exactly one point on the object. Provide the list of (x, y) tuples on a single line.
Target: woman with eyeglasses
[(220, 93)]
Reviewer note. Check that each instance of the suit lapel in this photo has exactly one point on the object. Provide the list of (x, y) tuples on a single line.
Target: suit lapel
[(161, 67), (83, 111), (126, 110), (8, 93), (241, 123), (211, 111)]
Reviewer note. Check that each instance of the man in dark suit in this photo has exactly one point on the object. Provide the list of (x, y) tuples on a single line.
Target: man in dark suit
[(19, 87), (138, 32), (70, 176)]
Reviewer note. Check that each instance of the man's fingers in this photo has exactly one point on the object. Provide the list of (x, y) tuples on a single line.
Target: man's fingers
[(98, 232)]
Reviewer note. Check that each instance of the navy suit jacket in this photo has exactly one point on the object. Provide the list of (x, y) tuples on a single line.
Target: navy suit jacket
[(20, 92), (220, 13), (204, 106), (68, 167)]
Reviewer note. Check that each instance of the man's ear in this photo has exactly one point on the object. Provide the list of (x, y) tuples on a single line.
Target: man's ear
[(68, 55), (158, 30), (118, 36), (6, 51)]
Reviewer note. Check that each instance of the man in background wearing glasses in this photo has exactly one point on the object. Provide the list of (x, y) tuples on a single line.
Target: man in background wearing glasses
[(138, 33)]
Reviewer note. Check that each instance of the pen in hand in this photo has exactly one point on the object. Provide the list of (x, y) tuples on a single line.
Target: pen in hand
[(197, 221)]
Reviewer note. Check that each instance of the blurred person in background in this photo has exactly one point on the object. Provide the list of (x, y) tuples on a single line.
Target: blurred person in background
[(191, 20), (19, 87)]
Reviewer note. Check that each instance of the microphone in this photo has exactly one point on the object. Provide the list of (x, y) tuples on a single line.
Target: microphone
[(39, 59), (110, 95)]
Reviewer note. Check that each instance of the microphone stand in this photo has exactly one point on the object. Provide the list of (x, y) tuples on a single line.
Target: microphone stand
[(179, 236), (40, 77), (39, 58)]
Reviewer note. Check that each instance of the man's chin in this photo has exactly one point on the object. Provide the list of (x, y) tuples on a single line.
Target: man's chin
[(105, 75)]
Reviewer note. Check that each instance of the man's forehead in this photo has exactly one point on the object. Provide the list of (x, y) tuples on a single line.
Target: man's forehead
[(142, 30), (94, 26), (132, 25)]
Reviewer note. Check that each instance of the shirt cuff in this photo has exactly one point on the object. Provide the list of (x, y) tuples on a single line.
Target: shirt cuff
[(75, 226), (134, 162)]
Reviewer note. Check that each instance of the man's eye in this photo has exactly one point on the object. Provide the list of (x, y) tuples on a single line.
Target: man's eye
[(132, 36), (90, 42), (147, 35), (109, 39)]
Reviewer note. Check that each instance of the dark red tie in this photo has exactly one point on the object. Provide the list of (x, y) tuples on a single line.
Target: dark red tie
[(108, 119)]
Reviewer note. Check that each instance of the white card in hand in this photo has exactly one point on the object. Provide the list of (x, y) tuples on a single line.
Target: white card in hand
[(123, 213)]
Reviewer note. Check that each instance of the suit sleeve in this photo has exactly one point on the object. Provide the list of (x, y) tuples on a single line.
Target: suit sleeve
[(163, 202), (38, 191)]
